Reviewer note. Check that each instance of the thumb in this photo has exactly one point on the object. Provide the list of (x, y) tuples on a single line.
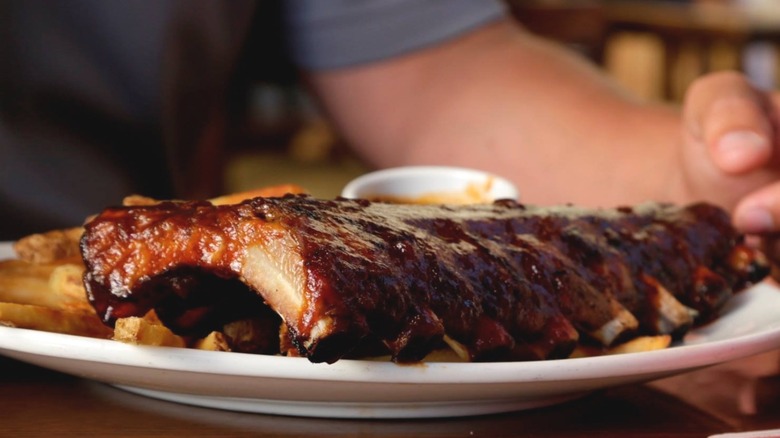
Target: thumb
[(732, 119), (759, 212)]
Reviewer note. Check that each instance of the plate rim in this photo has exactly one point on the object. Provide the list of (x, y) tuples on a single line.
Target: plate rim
[(109, 352)]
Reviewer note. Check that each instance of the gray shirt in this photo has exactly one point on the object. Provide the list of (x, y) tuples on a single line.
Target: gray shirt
[(100, 99), (337, 33)]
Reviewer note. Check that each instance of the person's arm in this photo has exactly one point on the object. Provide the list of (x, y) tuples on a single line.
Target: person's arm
[(500, 99), (503, 100)]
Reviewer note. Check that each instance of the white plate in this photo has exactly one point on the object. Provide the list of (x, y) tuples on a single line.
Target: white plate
[(362, 389)]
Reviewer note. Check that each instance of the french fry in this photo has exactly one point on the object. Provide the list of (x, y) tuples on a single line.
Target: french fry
[(139, 331), (152, 318), (271, 191), (50, 246), (53, 320), (66, 283), (232, 198), (215, 341), (138, 201), (636, 345), (254, 335), (23, 282), (22, 268), (642, 343)]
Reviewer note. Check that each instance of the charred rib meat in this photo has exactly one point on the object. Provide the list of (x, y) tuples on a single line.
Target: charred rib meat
[(504, 281)]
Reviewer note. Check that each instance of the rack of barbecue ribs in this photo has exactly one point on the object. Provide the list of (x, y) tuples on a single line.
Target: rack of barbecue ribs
[(497, 282)]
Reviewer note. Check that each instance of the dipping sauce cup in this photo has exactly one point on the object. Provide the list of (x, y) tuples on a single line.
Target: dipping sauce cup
[(431, 185)]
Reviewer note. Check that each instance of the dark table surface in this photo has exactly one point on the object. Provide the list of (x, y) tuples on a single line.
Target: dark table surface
[(736, 396)]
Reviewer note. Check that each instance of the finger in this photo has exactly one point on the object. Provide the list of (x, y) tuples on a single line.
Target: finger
[(759, 212), (770, 246), (733, 119)]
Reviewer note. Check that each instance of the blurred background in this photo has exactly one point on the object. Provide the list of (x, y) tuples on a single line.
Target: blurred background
[(653, 47)]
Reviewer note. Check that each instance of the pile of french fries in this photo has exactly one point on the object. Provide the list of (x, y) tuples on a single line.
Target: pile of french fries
[(42, 289), (46, 293)]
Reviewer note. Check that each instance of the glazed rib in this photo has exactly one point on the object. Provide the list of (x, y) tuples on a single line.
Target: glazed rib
[(498, 282)]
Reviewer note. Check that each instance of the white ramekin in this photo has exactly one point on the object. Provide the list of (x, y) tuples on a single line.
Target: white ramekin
[(415, 182)]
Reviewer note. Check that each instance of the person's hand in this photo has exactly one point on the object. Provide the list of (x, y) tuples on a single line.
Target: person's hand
[(732, 152)]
